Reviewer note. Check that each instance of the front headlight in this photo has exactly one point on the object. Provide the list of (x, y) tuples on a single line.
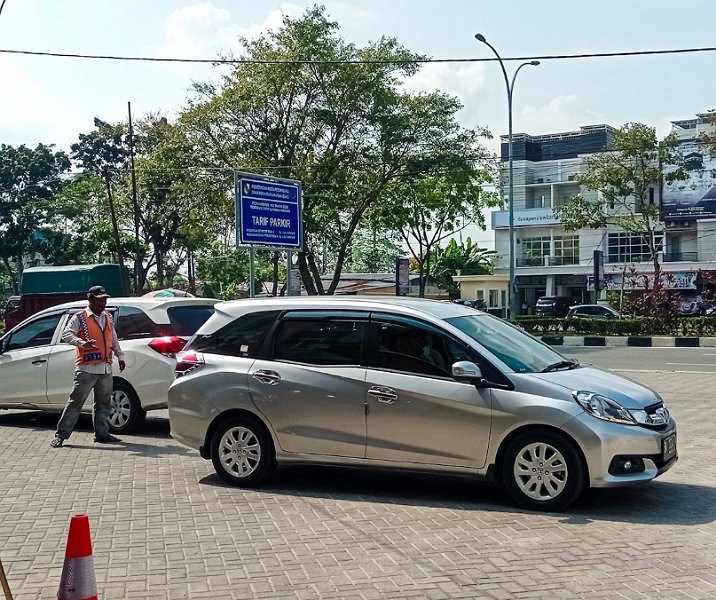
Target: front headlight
[(603, 408)]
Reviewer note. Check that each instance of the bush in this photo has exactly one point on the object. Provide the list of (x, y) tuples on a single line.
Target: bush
[(636, 326)]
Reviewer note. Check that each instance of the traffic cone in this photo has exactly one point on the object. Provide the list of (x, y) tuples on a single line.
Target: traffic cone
[(78, 581)]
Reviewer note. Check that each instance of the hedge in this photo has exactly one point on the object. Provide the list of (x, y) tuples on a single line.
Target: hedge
[(646, 326)]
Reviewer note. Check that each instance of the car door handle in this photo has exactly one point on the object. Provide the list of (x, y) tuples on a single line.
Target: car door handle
[(266, 376), (383, 394), (39, 361)]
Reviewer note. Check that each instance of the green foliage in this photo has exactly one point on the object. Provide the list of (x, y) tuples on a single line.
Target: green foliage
[(464, 258), (372, 251), (428, 210), (347, 131), (29, 179), (643, 326), (225, 272), (623, 176)]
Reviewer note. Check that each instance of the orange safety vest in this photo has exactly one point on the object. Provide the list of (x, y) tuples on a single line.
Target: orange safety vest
[(90, 330)]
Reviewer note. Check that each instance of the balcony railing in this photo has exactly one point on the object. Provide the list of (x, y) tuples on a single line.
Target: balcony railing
[(681, 257), (563, 260), (542, 261), (530, 261)]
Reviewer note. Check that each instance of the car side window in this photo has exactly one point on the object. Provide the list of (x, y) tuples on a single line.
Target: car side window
[(132, 322), (32, 335), (412, 349), (242, 337), (320, 341)]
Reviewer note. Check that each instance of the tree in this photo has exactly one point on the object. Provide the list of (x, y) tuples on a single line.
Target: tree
[(464, 258), (104, 153), (373, 250), (626, 178), (333, 116), (29, 179), (428, 210)]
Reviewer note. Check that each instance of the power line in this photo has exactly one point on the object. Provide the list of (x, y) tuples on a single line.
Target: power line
[(417, 60), (2, 5)]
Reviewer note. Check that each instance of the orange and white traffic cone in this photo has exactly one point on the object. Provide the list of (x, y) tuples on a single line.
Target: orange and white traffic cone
[(78, 581)]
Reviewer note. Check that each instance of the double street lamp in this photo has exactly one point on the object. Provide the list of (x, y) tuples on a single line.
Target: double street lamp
[(510, 85)]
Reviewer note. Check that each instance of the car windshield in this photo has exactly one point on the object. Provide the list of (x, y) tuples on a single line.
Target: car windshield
[(519, 351)]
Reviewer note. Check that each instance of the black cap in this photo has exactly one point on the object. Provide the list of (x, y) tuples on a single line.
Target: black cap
[(97, 291)]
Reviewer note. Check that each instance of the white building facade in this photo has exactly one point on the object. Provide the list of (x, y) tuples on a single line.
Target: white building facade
[(552, 261)]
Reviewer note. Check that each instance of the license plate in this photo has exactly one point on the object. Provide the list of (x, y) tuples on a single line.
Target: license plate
[(668, 446)]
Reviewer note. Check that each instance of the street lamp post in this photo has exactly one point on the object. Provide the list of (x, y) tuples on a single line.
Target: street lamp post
[(510, 85)]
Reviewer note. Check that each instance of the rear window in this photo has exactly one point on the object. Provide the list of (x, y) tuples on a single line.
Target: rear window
[(186, 320), (242, 337)]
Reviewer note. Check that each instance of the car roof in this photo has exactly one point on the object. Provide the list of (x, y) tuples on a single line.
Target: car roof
[(407, 305)]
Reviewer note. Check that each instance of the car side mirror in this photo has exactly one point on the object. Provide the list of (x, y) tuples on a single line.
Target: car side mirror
[(466, 370)]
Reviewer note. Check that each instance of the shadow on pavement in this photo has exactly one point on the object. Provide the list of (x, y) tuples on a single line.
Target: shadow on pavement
[(659, 503), (154, 428)]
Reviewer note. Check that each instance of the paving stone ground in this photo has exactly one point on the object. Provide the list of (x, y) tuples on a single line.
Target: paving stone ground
[(165, 527)]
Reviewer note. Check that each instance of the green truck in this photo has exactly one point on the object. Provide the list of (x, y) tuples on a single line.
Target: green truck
[(42, 287)]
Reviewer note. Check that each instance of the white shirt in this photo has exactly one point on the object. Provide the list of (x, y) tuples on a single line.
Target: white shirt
[(69, 336)]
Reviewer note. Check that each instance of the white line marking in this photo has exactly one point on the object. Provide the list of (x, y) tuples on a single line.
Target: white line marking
[(661, 371)]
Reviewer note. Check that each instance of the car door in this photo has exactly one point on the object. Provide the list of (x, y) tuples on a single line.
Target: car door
[(417, 413), (24, 358), (311, 388), (60, 367)]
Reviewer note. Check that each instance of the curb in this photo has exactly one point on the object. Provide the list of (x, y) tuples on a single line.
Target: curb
[(631, 341)]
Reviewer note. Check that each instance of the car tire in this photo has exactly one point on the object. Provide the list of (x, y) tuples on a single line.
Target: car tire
[(242, 452), (126, 413), (542, 470)]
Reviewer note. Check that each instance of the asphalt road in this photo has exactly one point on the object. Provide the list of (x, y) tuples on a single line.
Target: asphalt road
[(695, 361)]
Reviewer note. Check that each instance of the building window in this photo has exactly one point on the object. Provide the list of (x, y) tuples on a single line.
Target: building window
[(494, 298), (629, 247), (566, 250), (533, 249), (479, 294)]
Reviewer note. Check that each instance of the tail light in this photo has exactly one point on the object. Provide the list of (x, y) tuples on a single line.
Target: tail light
[(167, 345), (187, 362)]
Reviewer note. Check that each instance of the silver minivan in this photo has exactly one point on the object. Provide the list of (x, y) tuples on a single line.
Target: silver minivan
[(415, 384)]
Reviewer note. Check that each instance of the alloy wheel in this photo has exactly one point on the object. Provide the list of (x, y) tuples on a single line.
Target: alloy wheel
[(239, 451), (540, 471)]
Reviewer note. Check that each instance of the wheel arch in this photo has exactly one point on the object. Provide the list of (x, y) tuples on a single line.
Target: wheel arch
[(494, 471), (205, 449)]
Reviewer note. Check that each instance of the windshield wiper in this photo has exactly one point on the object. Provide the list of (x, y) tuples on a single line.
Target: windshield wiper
[(562, 364)]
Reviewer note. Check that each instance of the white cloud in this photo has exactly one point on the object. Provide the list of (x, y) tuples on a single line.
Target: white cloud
[(560, 114), (353, 17), (467, 81)]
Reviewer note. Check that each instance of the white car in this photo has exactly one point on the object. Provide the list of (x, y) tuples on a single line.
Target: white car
[(37, 369)]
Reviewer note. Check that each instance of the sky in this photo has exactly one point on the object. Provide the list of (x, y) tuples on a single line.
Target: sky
[(51, 100)]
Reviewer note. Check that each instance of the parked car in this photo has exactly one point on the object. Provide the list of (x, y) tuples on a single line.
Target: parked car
[(36, 368), (553, 306), (592, 311), (415, 384)]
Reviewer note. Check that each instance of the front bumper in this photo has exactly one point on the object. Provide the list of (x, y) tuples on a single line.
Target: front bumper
[(602, 442)]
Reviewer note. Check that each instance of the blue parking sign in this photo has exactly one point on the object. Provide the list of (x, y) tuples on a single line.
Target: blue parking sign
[(268, 211)]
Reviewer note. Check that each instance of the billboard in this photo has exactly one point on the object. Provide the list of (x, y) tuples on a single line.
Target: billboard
[(695, 196)]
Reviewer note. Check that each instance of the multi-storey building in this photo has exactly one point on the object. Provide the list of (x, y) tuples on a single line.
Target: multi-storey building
[(552, 261)]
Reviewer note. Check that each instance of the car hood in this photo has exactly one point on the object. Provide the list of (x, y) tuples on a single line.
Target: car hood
[(627, 392)]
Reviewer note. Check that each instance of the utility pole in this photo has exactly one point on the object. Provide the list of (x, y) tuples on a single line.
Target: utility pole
[(135, 206)]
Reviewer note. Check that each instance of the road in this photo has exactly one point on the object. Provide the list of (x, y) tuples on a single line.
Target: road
[(165, 527), (693, 361)]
